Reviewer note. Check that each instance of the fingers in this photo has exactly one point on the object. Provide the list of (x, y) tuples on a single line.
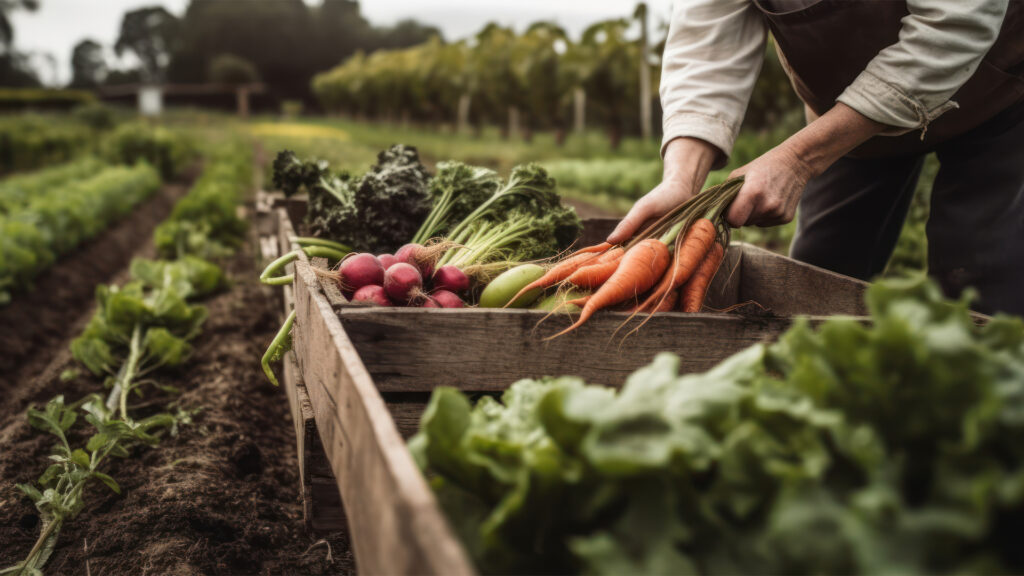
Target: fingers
[(640, 213), (756, 206), (742, 207)]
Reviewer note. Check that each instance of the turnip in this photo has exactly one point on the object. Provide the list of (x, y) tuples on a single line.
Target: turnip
[(361, 270), (447, 299), (387, 260), (508, 283), (402, 281), (372, 293), (451, 278)]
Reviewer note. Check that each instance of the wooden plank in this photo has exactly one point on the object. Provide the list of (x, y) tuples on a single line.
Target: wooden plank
[(596, 230), (410, 349), (395, 523), (789, 287)]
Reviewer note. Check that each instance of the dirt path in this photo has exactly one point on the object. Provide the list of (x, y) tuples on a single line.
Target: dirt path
[(44, 316), (220, 498)]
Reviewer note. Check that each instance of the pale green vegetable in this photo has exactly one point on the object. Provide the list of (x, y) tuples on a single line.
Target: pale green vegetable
[(556, 300), (501, 290)]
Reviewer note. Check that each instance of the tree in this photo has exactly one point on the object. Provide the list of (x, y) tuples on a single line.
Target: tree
[(230, 69), (88, 66), (151, 34)]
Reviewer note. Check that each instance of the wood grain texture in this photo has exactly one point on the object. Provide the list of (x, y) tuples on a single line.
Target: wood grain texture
[(411, 349), (395, 523), (788, 287)]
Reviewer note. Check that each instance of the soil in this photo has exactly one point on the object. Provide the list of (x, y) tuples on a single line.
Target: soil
[(221, 497)]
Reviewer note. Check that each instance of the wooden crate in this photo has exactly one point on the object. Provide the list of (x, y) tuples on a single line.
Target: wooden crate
[(368, 372), (321, 501)]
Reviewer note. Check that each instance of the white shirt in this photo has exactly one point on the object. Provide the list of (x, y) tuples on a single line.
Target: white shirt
[(715, 49)]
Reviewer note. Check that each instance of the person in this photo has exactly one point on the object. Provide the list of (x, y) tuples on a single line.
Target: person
[(884, 83)]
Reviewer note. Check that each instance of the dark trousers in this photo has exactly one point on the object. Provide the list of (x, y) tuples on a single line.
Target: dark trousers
[(850, 217)]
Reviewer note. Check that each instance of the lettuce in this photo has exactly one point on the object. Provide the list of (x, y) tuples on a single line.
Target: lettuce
[(852, 448)]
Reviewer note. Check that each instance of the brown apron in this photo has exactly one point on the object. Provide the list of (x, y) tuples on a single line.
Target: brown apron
[(826, 44)]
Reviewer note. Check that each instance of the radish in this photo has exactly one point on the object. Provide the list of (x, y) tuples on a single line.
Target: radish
[(449, 277), (421, 257), (429, 302), (402, 281), (387, 260), (361, 270), (447, 299), (408, 253), (372, 293)]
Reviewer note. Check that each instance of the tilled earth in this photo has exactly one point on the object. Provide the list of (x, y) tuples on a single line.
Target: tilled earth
[(222, 497)]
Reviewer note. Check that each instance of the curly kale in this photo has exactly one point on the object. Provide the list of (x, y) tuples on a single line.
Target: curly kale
[(378, 212)]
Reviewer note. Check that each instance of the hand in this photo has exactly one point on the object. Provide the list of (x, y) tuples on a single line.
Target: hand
[(687, 163), (776, 180), (771, 190)]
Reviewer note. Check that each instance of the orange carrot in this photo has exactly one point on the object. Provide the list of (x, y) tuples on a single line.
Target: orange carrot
[(669, 302), (696, 288), (563, 269), (698, 240), (639, 269), (593, 275)]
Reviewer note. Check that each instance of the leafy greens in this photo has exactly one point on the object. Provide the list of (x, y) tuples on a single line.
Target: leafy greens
[(890, 447)]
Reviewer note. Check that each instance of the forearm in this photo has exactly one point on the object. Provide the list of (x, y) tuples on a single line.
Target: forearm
[(688, 161), (828, 138)]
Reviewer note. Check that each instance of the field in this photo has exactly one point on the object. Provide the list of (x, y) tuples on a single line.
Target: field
[(140, 434)]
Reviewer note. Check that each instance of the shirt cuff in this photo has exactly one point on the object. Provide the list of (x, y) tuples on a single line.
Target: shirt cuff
[(710, 129), (886, 103)]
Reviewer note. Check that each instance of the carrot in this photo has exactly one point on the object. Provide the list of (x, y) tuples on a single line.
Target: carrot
[(698, 240), (593, 275), (639, 269), (696, 288), (667, 304), (563, 269)]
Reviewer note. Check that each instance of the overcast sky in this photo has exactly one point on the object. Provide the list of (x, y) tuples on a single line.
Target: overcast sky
[(59, 24)]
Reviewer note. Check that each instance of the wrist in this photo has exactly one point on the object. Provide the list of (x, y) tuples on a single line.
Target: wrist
[(828, 138), (688, 159)]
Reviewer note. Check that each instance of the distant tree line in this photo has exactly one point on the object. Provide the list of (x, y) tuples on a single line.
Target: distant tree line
[(282, 43), (540, 79)]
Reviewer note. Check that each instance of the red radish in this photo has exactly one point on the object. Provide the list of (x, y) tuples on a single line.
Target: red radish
[(419, 257), (429, 302), (372, 293), (361, 270), (450, 278), (408, 253), (387, 260), (402, 281), (447, 299)]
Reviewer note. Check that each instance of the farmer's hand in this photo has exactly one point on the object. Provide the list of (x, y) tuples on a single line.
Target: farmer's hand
[(776, 180), (771, 190), (687, 163)]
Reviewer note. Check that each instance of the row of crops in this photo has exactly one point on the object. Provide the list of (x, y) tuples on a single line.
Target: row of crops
[(45, 214), (138, 329)]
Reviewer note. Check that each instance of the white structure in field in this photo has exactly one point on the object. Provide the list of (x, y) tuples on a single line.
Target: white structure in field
[(151, 100)]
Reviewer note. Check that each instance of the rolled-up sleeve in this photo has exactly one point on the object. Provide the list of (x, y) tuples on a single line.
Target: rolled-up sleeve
[(713, 55), (941, 44)]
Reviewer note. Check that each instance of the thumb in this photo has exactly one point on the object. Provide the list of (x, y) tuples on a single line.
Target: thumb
[(637, 215)]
